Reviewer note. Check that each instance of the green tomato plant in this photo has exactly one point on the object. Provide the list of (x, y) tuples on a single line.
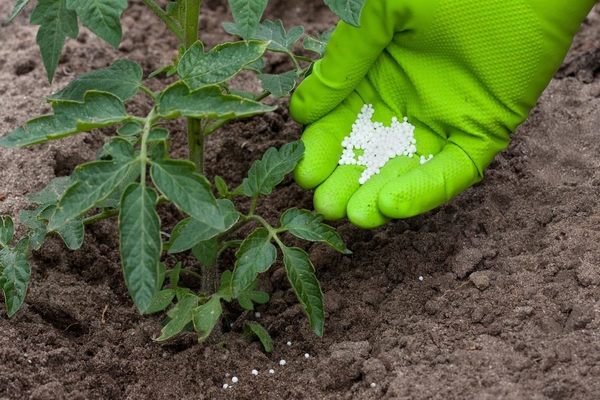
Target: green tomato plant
[(134, 172)]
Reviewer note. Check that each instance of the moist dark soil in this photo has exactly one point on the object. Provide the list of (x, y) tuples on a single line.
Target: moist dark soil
[(493, 296)]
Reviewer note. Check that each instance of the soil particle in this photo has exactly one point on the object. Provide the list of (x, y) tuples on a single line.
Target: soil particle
[(466, 261), (480, 279), (588, 274)]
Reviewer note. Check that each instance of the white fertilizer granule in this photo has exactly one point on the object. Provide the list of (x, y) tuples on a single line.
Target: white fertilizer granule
[(371, 144)]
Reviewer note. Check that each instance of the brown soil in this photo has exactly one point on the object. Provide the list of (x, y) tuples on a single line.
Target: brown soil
[(508, 304)]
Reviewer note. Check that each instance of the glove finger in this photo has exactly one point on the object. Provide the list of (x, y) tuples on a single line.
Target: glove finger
[(323, 143), (350, 54), (331, 197), (363, 210), (429, 185)]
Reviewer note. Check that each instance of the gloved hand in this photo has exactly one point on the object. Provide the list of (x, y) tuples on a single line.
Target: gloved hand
[(466, 73)]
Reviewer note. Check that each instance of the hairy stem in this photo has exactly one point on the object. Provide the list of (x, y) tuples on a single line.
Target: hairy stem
[(196, 143), (144, 145), (166, 18), (192, 21)]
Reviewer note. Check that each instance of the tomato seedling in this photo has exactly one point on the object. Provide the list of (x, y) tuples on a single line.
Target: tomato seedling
[(134, 172)]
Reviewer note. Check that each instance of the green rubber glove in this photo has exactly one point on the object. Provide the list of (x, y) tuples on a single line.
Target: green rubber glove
[(466, 73)]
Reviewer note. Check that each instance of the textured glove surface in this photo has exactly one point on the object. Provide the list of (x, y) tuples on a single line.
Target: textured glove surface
[(466, 73)]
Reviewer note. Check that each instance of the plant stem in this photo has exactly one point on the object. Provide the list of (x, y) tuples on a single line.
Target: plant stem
[(196, 143), (192, 21), (101, 216), (166, 18), (144, 145)]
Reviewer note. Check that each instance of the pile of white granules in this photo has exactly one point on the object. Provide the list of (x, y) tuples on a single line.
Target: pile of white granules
[(371, 144)]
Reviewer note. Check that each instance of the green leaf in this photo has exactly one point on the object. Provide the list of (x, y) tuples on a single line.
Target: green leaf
[(72, 233), (37, 228), (317, 45), (19, 5), (225, 286), (256, 66), (279, 85), (255, 256), (56, 23), (247, 15), (180, 315), (98, 110), (190, 191), (140, 243), (158, 135), (94, 182), (221, 186), (160, 301), (199, 69), (7, 230), (15, 275), (118, 149), (206, 317), (249, 296), (190, 232), (122, 79), (103, 17), (268, 172), (279, 40), (262, 334), (309, 226), (348, 10), (208, 102), (130, 128), (174, 274), (206, 252), (52, 192), (300, 273)]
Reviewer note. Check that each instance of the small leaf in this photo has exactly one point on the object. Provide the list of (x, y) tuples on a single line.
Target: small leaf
[(348, 10), (262, 334), (15, 275), (317, 45), (256, 66), (221, 186), (279, 40), (268, 172), (103, 17), (72, 233), (56, 23), (255, 256), (247, 15), (190, 232), (117, 149), (37, 228), (180, 315), (52, 192), (98, 110), (7, 230), (199, 69), (140, 243), (130, 129), (158, 135), (19, 5), (206, 252), (300, 272), (94, 182), (160, 301), (279, 85), (309, 226), (249, 296), (122, 79), (206, 317), (225, 286), (208, 102), (190, 191)]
